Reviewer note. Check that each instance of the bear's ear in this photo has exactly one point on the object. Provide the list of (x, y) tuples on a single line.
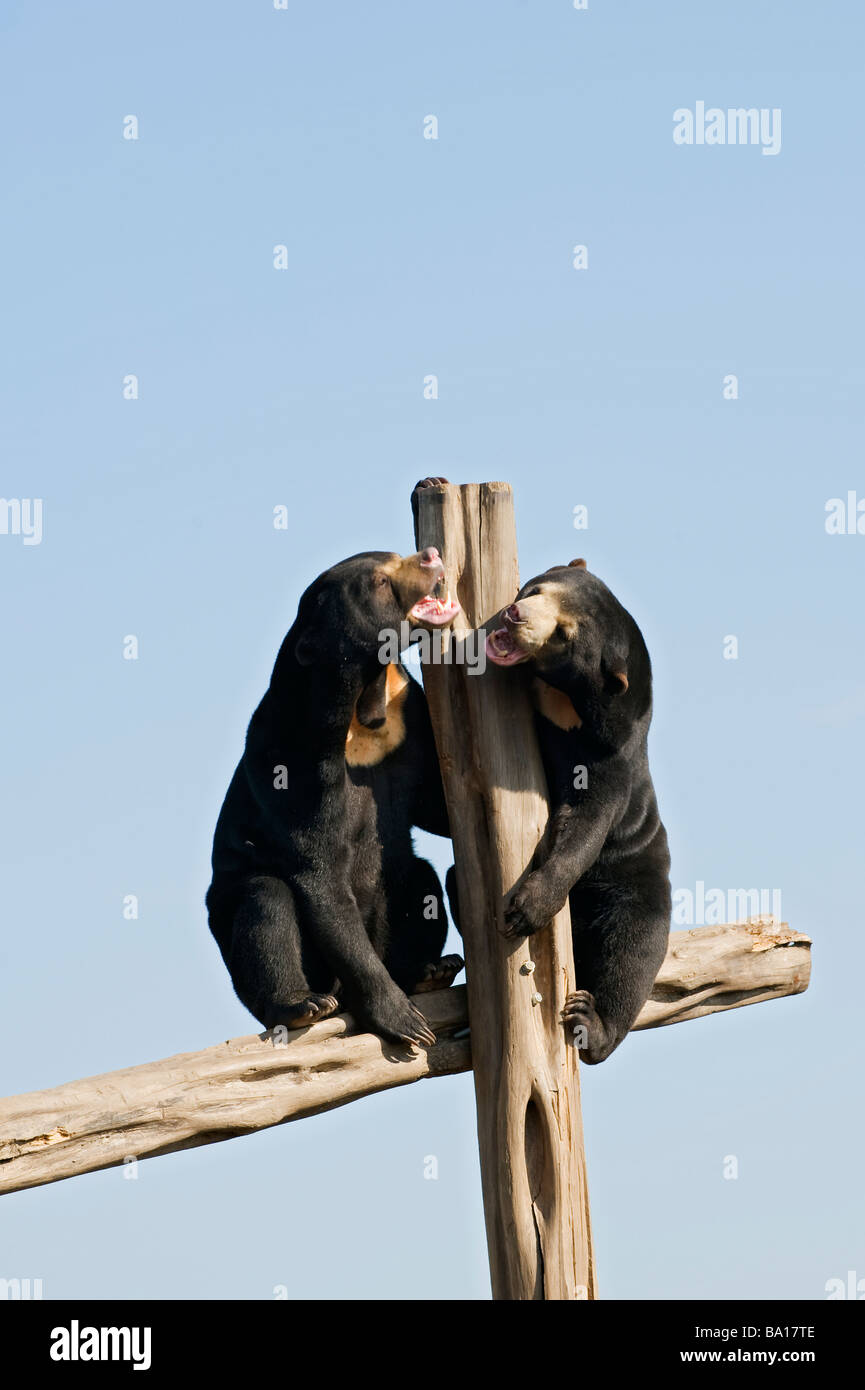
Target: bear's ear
[(371, 708), (304, 648), (576, 564), (615, 673)]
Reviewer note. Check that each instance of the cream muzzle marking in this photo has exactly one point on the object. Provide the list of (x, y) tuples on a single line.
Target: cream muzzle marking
[(529, 623), (424, 574)]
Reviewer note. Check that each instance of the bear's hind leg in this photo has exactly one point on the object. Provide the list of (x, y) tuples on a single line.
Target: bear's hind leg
[(266, 959), (620, 934), (439, 974), (591, 1035), (453, 900), (417, 929)]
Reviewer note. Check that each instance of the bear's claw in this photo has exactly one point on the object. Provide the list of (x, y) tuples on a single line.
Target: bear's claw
[(440, 974), (310, 1008), (590, 1034)]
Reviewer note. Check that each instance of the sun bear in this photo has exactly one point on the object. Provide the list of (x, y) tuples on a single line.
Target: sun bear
[(317, 899), (604, 849)]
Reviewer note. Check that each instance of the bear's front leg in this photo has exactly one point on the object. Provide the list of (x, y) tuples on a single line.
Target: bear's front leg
[(574, 837), (533, 905), (331, 915)]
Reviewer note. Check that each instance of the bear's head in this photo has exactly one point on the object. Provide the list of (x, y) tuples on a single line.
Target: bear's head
[(343, 614), (579, 639)]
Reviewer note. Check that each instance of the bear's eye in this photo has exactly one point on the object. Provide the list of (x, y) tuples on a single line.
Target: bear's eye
[(380, 580)]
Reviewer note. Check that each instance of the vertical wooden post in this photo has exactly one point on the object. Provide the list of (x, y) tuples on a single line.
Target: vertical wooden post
[(526, 1082)]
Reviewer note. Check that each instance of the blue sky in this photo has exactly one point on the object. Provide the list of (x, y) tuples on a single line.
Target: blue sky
[(259, 387)]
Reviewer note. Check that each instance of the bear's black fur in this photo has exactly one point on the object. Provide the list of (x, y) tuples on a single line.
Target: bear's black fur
[(390, 750), (605, 848), (317, 898)]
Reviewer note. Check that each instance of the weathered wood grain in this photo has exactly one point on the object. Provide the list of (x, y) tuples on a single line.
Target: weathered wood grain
[(530, 1135), (255, 1082)]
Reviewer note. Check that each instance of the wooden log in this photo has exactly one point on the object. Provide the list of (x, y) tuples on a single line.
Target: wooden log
[(255, 1082), (709, 969), (530, 1135), (196, 1098)]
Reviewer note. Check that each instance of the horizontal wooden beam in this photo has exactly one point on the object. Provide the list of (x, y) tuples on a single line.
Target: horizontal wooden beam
[(709, 970), (255, 1082)]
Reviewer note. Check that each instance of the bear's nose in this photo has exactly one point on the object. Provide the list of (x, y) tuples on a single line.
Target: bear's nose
[(512, 613), (430, 556)]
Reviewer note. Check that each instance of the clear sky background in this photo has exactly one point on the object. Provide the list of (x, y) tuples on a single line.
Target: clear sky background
[(258, 387)]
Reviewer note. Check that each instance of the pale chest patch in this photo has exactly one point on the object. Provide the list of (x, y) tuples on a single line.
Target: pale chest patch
[(554, 705), (365, 747)]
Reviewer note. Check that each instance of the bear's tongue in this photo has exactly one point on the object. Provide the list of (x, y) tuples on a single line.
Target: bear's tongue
[(502, 649), (436, 610)]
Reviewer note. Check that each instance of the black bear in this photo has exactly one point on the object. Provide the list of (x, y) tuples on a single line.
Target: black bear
[(317, 899), (605, 848)]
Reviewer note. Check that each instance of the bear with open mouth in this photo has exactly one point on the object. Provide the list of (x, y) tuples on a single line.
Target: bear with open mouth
[(318, 900), (604, 849)]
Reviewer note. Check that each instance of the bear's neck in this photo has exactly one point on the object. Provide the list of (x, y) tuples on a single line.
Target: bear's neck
[(311, 706), (315, 702), (574, 707)]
